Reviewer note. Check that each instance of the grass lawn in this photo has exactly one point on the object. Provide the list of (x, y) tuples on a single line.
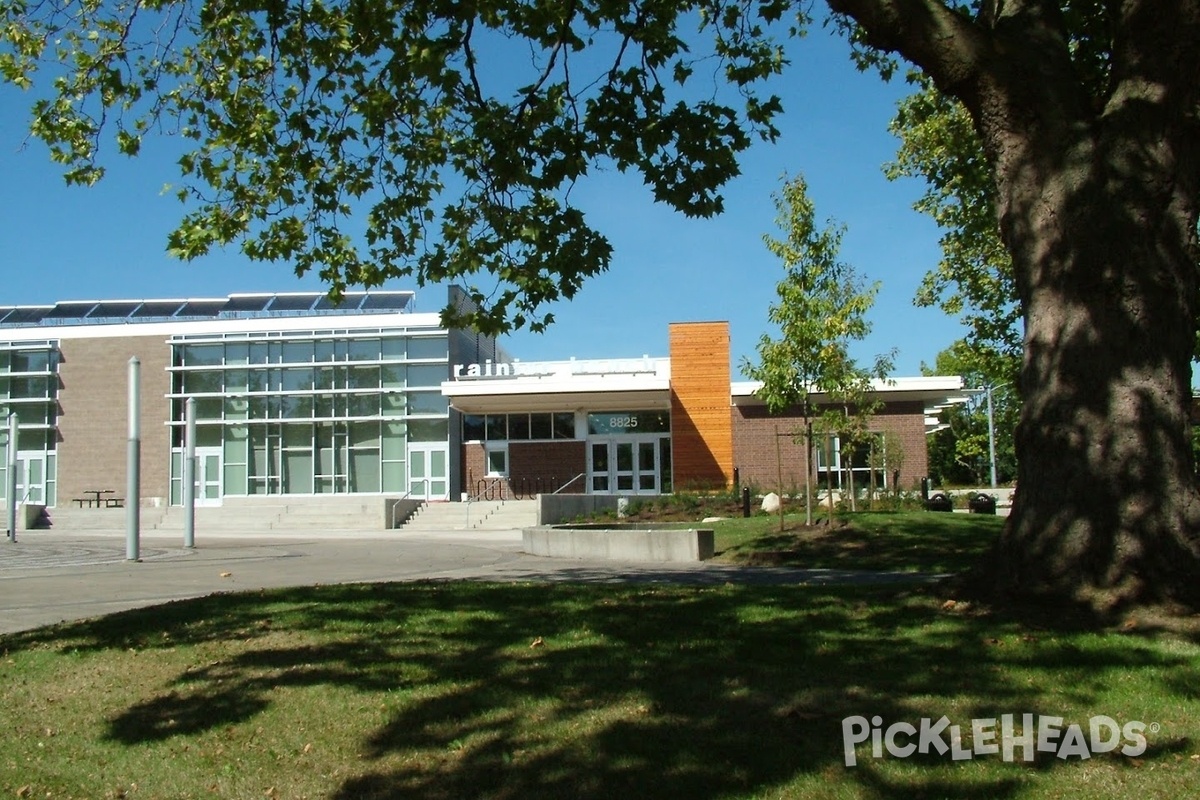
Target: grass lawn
[(480, 690), (902, 542), (909, 541)]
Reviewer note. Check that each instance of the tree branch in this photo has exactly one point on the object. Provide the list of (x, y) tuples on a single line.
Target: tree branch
[(1156, 46), (948, 46)]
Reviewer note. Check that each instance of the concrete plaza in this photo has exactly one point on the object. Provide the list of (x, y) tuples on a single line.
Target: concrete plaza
[(48, 577)]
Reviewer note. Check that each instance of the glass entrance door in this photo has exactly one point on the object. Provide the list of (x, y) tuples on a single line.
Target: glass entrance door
[(647, 467), (31, 478), (428, 471), (624, 465), (208, 476)]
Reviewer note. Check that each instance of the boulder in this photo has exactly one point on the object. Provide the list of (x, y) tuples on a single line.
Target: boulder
[(771, 503)]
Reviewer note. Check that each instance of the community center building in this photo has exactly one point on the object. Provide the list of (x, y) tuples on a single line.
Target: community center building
[(296, 395)]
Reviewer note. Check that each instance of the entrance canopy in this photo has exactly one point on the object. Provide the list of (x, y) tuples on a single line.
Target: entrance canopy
[(935, 393), (583, 385), (644, 383)]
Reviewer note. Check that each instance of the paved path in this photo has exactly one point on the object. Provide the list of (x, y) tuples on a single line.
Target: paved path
[(48, 577)]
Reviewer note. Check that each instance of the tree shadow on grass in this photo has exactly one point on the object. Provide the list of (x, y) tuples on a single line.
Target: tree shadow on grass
[(565, 690), (918, 542)]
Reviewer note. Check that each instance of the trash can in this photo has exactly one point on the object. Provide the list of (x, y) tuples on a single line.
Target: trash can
[(981, 503), (939, 501)]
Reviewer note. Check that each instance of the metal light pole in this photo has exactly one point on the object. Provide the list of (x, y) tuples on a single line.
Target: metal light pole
[(133, 500), (991, 434), (189, 474), (12, 477)]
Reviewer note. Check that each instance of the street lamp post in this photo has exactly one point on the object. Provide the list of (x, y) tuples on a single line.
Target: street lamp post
[(991, 435)]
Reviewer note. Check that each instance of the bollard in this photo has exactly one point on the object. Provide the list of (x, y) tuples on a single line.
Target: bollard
[(745, 501)]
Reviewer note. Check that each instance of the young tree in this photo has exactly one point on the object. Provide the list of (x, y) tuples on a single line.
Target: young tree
[(886, 456), (1086, 114), (821, 310)]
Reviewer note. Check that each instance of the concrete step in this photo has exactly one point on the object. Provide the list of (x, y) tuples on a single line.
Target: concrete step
[(271, 515), (98, 519), (437, 517), (239, 519), (483, 515), (305, 514)]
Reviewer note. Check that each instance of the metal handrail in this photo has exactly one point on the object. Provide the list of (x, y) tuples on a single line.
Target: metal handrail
[(397, 505), (24, 498), (568, 483), (479, 495), (470, 499)]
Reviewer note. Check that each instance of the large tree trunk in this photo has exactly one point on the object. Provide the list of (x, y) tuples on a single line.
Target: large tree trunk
[(1097, 171), (1099, 213), (1106, 511)]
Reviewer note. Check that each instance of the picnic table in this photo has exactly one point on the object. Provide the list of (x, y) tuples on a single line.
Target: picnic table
[(98, 500)]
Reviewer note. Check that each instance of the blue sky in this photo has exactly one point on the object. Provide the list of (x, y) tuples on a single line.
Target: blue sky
[(108, 241)]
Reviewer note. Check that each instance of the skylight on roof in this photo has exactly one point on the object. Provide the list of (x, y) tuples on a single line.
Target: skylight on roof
[(250, 302), (70, 310), (30, 314), (350, 302), (293, 302), (114, 310), (387, 301), (158, 308), (201, 308)]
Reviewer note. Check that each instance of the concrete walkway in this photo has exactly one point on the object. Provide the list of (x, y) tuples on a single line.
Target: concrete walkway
[(48, 577)]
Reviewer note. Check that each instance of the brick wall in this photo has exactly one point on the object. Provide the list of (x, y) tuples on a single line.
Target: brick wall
[(762, 450), (755, 440), (907, 421), (533, 467), (93, 422)]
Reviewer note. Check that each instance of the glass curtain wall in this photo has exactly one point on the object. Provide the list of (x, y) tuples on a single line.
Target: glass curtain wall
[(310, 413), (29, 387)]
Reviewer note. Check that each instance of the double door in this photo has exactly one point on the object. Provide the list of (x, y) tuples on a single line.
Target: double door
[(625, 464), (428, 471), (31, 478)]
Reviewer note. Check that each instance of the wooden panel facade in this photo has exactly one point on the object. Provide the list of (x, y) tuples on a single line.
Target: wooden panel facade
[(701, 424)]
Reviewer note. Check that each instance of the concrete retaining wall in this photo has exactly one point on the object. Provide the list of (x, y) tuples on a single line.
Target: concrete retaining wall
[(620, 543), (554, 509)]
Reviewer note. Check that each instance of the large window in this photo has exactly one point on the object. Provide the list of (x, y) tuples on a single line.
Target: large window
[(616, 422), (312, 413), (29, 389), (839, 461), (518, 427)]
